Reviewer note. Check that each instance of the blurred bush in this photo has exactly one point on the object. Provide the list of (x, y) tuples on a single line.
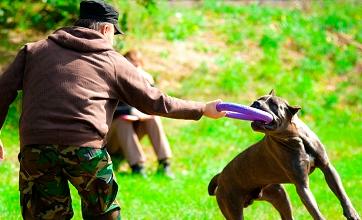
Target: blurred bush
[(41, 15)]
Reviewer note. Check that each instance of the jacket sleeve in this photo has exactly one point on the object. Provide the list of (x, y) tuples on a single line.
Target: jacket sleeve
[(10, 82), (136, 91)]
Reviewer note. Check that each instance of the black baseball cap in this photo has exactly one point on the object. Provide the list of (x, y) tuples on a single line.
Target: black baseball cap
[(100, 11)]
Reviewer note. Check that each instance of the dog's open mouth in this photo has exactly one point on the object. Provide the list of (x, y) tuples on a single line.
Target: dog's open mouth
[(260, 125)]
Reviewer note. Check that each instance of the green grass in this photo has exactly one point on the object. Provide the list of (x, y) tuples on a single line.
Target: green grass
[(263, 47)]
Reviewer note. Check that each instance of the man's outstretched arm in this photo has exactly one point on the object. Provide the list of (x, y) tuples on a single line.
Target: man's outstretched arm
[(135, 90)]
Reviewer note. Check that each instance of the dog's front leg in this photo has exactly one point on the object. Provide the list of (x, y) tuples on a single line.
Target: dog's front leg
[(335, 184), (309, 201), (230, 204)]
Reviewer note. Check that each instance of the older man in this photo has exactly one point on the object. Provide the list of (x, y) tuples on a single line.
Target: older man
[(71, 83)]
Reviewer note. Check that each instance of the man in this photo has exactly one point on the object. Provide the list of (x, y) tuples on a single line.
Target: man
[(71, 84)]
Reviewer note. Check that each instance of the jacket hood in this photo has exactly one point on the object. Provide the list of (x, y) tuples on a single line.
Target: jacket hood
[(81, 39)]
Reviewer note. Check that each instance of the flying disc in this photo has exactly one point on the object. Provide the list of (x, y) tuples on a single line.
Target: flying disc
[(244, 112)]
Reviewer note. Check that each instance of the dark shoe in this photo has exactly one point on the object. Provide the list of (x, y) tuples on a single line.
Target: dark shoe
[(139, 169), (164, 168)]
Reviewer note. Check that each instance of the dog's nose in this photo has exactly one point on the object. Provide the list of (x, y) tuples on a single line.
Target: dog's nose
[(256, 104)]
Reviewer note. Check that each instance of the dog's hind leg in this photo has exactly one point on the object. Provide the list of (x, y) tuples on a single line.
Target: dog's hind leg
[(276, 195), (229, 204), (335, 184)]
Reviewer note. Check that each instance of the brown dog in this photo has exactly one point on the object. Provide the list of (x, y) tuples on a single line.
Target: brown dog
[(288, 153)]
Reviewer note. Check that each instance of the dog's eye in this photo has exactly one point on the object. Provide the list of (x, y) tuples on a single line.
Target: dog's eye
[(274, 107)]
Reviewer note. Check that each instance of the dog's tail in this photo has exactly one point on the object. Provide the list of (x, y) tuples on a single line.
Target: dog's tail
[(213, 185)]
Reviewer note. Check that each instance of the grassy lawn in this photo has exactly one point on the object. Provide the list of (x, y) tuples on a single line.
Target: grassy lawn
[(237, 53)]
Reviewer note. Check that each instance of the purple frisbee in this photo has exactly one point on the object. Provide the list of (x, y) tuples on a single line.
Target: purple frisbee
[(244, 112)]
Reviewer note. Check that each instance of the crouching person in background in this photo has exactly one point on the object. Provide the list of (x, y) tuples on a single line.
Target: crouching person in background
[(130, 126)]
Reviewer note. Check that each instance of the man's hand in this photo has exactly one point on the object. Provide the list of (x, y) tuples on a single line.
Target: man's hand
[(2, 154), (211, 112), (141, 116)]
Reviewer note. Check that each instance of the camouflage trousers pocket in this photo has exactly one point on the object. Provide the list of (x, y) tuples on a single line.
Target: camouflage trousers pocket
[(99, 193), (43, 181), (44, 191)]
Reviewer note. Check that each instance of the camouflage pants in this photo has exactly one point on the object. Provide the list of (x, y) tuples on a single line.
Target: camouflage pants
[(43, 181)]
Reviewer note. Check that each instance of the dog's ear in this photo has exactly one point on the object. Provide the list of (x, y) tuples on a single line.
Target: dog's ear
[(272, 92), (294, 109)]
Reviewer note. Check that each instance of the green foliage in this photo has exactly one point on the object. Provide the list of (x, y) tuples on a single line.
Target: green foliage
[(262, 15), (233, 78), (312, 67), (269, 41), (149, 5), (221, 8), (200, 78), (336, 22), (345, 60), (42, 15), (154, 17), (340, 20), (182, 25)]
